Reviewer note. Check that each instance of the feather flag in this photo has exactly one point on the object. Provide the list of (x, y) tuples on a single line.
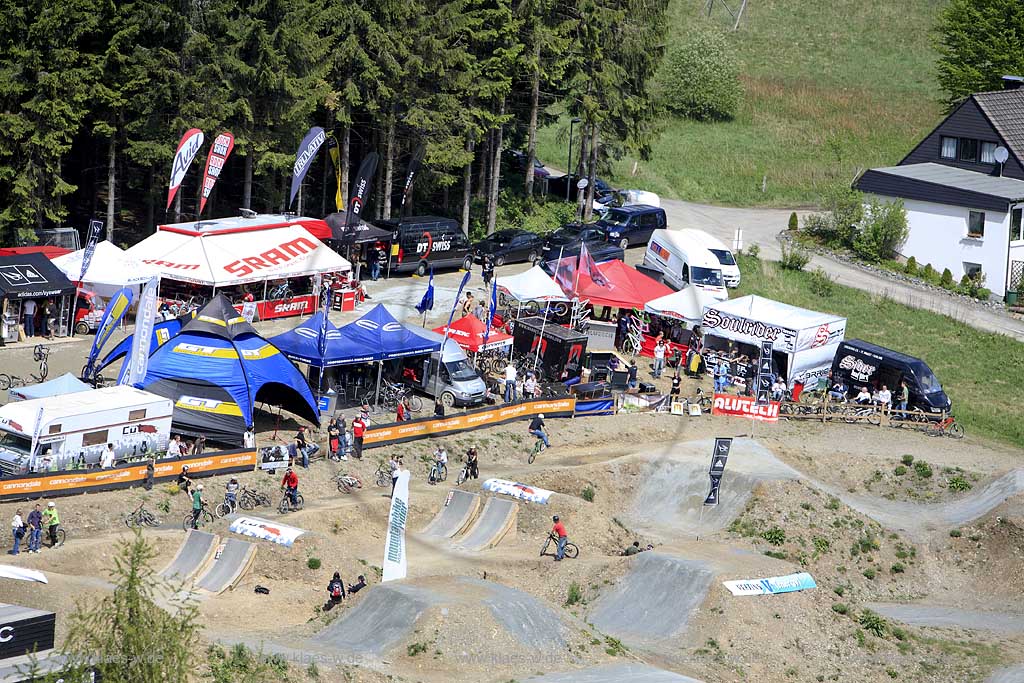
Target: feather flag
[(493, 310), (410, 174), (335, 154), (133, 371), (190, 144), (427, 302), (112, 315), (95, 227), (360, 192), (308, 148), (321, 342), (215, 160)]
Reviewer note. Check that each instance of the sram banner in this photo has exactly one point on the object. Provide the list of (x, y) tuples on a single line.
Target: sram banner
[(283, 308), (744, 406)]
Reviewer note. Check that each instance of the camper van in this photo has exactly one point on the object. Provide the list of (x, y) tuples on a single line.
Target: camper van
[(449, 376), (683, 261), (726, 261), (56, 432), (860, 363)]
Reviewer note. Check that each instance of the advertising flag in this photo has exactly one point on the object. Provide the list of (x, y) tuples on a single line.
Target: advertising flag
[(360, 192), (321, 342), (219, 153), (190, 144), (308, 148), (427, 302), (395, 563), (112, 315), (133, 371), (589, 267), (95, 227), (335, 153), (410, 174), (492, 310)]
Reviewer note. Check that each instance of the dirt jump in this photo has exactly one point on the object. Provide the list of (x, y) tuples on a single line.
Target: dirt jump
[(935, 616), (498, 517), (459, 511), (615, 673), (194, 555), (230, 564)]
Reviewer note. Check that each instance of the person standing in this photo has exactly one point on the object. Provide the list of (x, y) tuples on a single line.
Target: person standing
[(35, 529), (107, 458), (333, 437), (17, 530), (487, 270), (401, 411), (249, 437), (197, 505), (358, 430), (49, 318), (903, 397), (631, 382), (558, 530), (721, 376), (51, 520), (200, 445), (676, 381), (394, 464), (510, 382), (150, 471), (468, 304), (659, 358), (29, 311)]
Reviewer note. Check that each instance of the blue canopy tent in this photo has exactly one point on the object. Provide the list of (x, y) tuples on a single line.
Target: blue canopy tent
[(379, 336), (302, 344), (217, 369), (65, 384)]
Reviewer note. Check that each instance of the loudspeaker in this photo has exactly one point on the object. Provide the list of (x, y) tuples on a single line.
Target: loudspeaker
[(620, 378), (647, 388)]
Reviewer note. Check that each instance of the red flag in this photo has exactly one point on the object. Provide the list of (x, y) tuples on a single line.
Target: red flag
[(190, 144), (219, 153), (589, 268)]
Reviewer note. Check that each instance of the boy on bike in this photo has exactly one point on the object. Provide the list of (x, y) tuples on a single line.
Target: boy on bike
[(231, 493), (197, 505), (290, 484), (184, 481), (558, 530), (51, 520), (537, 429), (440, 458), (472, 465)]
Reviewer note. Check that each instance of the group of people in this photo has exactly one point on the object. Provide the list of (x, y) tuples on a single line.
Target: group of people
[(33, 526), (527, 387), (176, 448), (878, 395), (336, 590), (47, 314)]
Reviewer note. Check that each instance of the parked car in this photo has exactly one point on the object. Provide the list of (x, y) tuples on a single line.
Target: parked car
[(617, 198), (509, 246), (630, 226), (517, 161), (569, 237), (426, 242), (730, 269), (602, 190)]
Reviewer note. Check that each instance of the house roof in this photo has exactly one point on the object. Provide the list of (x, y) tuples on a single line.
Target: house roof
[(940, 184), (1005, 110), (1009, 189)]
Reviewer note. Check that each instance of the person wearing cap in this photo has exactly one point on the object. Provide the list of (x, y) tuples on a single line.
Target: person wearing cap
[(184, 481), (197, 505), (558, 531), (51, 520), (537, 429), (358, 430)]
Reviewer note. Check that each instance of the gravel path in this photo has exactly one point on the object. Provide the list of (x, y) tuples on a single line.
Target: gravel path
[(1013, 674), (935, 616), (615, 673)]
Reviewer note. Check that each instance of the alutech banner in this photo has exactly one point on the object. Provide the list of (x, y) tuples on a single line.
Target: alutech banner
[(190, 144), (744, 406)]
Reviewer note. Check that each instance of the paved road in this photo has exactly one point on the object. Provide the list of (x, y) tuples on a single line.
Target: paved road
[(760, 226)]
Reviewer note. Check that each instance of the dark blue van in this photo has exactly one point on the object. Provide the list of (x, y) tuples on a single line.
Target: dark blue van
[(629, 226)]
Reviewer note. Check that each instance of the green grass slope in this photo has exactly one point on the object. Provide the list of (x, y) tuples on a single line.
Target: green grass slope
[(829, 88)]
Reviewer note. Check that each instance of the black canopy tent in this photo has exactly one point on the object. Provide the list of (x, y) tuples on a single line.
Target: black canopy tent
[(25, 277), (354, 237)]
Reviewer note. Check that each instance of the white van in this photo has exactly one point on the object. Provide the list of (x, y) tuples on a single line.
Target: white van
[(54, 433), (727, 262), (683, 261)]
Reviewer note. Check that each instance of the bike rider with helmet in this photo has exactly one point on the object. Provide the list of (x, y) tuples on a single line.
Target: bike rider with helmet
[(537, 429), (440, 458), (197, 505), (184, 481), (51, 520), (472, 464), (558, 530), (290, 484), (231, 493)]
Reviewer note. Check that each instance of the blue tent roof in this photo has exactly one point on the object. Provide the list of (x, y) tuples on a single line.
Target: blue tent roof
[(162, 332), (379, 336), (65, 384), (302, 343)]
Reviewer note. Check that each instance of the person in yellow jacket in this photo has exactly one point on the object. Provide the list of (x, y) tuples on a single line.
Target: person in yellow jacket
[(51, 521)]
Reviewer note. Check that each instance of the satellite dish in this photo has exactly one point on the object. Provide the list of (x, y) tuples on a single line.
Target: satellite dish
[(1000, 154), (582, 183)]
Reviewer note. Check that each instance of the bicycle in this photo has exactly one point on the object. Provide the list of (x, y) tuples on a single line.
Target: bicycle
[(205, 518), (438, 472), (382, 477), (463, 475), (537, 448), (227, 507), (947, 426), (286, 506), (856, 413), (571, 549), (347, 482), (39, 354), (140, 517), (249, 499)]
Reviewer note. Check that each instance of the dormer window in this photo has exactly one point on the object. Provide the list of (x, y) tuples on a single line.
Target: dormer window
[(968, 150), (948, 148)]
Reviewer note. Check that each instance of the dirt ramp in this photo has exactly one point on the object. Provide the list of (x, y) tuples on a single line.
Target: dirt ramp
[(526, 618), (195, 553), (384, 618), (937, 616), (232, 562), (496, 520), (458, 511), (615, 673), (1013, 674), (654, 601)]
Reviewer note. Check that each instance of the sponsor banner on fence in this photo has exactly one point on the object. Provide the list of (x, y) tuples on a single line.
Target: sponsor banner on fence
[(744, 406), (772, 586), (395, 566), (266, 530), (134, 474), (531, 494), (475, 419), (304, 304)]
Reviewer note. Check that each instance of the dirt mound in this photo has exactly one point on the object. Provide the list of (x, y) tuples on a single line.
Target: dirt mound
[(615, 673)]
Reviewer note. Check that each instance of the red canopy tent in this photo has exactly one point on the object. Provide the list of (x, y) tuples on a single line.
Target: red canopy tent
[(626, 287), (468, 332), (48, 251)]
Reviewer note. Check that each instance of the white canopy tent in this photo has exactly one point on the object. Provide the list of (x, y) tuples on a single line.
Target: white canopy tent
[(807, 339), (234, 258), (532, 285), (110, 269), (687, 305)]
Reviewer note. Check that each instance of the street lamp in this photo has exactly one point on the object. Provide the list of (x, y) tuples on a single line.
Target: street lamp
[(568, 169)]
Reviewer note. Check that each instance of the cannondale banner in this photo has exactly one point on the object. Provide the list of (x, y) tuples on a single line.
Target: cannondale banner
[(191, 143), (360, 191), (395, 564), (219, 153), (308, 148), (133, 372)]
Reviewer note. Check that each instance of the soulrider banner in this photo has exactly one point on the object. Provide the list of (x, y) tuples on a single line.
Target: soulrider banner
[(115, 310), (219, 153), (308, 148), (395, 564), (190, 144), (360, 193)]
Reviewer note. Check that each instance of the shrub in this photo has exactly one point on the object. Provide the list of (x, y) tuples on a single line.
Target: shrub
[(900, 470), (840, 608), (928, 274), (313, 563), (821, 545), (946, 280), (753, 251), (414, 649), (959, 483), (869, 573), (775, 535), (837, 225), (955, 533), (700, 77), (794, 224), (821, 283), (778, 555), (910, 268), (794, 257), (972, 286), (923, 469), (897, 568), (898, 633), (832, 504), (588, 494), (873, 623), (882, 232), (575, 594), (907, 459), (839, 590)]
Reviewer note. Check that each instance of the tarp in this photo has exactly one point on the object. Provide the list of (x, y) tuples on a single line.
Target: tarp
[(32, 276), (302, 343), (687, 304), (626, 287), (225, 258), (469, 332), (379, 336), (110, 265), (65, 384), (217, 369), (47, 250), (532, 285)]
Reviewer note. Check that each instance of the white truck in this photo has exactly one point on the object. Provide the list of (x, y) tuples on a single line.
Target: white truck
[(683, 260), (62, 432), (730, 269)]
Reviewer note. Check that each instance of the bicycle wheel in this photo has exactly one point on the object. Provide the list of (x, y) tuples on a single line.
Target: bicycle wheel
[(571, 551), (343, 486), (444, 473), (130, 521), (415, 402), (875, 418), (461, 478), (382, 479), (223, 510), (300, 502), (283, 507), (186, 521), (5, 382), (61, 537), (150, 520), (955, 430), (247, 502), (44, 370), (263, 500), (544, 548), (533, 455)]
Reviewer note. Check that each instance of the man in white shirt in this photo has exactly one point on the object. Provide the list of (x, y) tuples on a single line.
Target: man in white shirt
[(778, 389), (885, 397), (659, 358), (510, 383), (29, 310), (863, 397), (107, 458), (174, 447), (249, 438), (529, 387)]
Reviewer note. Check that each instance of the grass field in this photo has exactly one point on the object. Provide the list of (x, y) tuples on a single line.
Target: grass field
[(982, 373), (830, 88)]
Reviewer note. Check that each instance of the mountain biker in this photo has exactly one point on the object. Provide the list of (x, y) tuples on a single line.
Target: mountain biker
[(558, 530), (51, 520), (472, 464), (184, 481), (633, 549), (440, 458), (358, 429), (335, 592), (537, 429), (197, 505), (231, 493), (290, 484)]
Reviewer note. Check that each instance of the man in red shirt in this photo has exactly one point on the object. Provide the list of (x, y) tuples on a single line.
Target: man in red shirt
[(290, 483), (358, 429), (559, 530)]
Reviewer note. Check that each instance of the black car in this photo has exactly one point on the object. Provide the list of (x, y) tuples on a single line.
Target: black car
[(509, 246), (517, 161), (567, 240), (556, 187), (632, 225)]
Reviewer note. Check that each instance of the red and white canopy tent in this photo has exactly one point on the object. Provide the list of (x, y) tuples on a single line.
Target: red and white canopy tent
[(616, 285), (469, 333)]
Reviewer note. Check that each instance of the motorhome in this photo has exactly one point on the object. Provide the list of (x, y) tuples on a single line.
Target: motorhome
[(62, 432), (448, 376), (727, 262), (683, 261)]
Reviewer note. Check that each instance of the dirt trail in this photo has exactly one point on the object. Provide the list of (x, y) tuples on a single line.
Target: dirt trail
[(935, 616)]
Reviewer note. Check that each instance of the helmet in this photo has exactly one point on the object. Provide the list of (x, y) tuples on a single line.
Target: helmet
[(51, 504), (555, 518), (199, 488), (234, 480), (541, 416), (184, 468)]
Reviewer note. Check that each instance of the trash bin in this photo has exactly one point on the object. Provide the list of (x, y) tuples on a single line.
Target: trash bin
[(1012, 298), (327, 403)]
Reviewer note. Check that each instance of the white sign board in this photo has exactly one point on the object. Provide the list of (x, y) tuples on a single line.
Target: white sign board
[(266, 530), (531, 494), (395, 561)]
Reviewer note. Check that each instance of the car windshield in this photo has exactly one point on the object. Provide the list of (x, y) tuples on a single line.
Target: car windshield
[(501, 237), (724, 256), (615, 218), (15, 442), (928, 381), (460, 370), (568, 232), (706, 276)]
